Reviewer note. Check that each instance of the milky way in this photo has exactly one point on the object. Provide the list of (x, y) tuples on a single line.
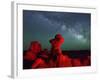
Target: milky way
[(43, 25)]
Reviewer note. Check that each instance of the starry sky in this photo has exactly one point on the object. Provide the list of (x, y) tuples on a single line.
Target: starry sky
[(44, 25)]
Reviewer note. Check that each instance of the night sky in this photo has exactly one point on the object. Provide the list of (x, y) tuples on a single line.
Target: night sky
[(43, 25)]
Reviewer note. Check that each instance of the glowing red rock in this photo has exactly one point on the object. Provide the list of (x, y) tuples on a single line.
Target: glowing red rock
[(61, 61), (39, 63), (29, 55), (77, 62), (64, 61), (35, 47)]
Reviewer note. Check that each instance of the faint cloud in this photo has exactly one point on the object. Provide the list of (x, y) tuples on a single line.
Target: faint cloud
[(63, 27)]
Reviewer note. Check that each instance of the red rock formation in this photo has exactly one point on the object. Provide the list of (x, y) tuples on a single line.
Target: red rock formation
[(76, 62), (38, 58), (61, 61), (42, 61), (35, 47), (33, 51), (29, 56)]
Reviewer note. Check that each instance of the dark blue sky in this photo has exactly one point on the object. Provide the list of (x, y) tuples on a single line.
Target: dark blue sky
[(42, 26)]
